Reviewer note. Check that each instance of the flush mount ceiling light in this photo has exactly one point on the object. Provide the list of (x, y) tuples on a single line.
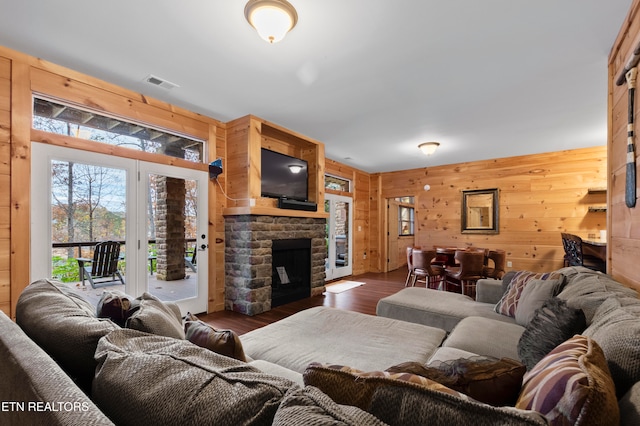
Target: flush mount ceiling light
[(428, 148), (295, 169), (272, 19)]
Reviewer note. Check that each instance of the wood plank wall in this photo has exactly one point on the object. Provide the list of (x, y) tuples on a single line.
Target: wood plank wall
[(5, 184), (624, 235), (20, 75), (540, 197)]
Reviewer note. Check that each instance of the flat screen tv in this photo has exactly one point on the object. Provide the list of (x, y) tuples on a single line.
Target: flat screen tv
[(280, 180)]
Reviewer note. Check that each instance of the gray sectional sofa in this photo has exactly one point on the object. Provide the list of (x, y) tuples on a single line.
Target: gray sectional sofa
[(319, 366)]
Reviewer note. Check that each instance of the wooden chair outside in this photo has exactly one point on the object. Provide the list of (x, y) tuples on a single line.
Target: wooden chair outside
[(464, 277), (103, 268), (425, 271)]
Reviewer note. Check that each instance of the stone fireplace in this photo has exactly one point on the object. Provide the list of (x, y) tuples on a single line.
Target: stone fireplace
[(249, 267)]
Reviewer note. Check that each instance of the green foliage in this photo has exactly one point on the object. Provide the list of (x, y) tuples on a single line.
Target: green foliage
[(65, 270)]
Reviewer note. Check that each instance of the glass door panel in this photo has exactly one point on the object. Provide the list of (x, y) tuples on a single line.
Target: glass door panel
[(175, 238), (338, 236), (79, 200)]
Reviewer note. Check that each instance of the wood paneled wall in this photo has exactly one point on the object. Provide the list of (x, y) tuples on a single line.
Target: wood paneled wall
[(21, 76), (540, 197), (5, 185), (624, 233)]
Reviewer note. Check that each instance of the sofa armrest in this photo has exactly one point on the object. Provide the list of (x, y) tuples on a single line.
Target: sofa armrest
[(488, 290)]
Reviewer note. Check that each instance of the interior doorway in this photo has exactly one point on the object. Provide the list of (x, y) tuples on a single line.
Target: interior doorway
[(400, 227)]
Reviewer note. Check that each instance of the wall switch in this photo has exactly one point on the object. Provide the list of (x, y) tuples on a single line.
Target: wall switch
[(509, 264), (252, 202)]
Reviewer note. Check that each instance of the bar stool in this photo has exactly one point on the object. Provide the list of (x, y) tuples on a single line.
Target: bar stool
[(432, 275), (499, 259), (409, 266), (471, 264)]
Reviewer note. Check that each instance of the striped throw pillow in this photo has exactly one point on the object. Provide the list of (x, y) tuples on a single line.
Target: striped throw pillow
[(509, 301), (572, 386)]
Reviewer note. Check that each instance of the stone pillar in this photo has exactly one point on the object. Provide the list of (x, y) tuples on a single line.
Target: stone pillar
[(170, 229)]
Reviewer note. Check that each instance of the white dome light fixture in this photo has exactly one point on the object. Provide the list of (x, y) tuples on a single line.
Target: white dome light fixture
[(295, 169), (272, 19), (428, 148)]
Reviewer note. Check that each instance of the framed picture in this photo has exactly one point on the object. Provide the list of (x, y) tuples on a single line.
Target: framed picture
[(480, 211)]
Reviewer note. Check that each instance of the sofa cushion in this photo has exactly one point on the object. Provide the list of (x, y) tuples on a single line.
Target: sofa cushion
[(552, 324), (115, 305), (149, 379), (29, 375), (224, 342), (587, 289), (485, 379), (434, 308), (509, 301), (350, 386), (572, 386), (156, 317), (422, 406), (486, 337), (533, 296), (64, 325), (336, 336), (309, 406), (616, 327)]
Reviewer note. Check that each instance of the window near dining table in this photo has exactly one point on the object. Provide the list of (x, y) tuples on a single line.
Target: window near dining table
[(405, 215)]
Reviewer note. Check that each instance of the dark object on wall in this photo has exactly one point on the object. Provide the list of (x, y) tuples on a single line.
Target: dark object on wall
[(630, 186), (283, 176), (286, 203), (215, 168)]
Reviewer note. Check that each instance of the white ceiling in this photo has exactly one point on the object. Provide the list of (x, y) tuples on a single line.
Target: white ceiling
[(370, 78)]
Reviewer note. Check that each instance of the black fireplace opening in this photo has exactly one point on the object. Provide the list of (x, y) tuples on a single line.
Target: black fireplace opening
[(290, 270)]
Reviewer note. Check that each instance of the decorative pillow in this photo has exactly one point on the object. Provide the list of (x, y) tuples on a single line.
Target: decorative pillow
[(572, 386), (506, 280), (509, 301), (148, 379), (309, 406), (616, 328), (552, 324), (223, 342), (116, 305), (533, 296), (349, 386), (492, 381), (64, 325), (422, 406), (156, 317)]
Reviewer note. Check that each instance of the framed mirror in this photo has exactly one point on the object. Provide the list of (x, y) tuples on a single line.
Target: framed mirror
[(480, 211)]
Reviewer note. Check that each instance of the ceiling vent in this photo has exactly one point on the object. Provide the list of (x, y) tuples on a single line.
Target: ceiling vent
[(157, 81)]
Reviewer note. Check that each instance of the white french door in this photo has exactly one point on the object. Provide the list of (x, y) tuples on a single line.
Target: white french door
[(338, 236), (80, 197)]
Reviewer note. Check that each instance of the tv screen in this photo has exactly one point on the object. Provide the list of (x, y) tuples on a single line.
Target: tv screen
[(281, 177)]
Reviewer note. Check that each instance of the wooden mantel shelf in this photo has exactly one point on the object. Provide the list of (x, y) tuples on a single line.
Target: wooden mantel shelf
[(270, 211)]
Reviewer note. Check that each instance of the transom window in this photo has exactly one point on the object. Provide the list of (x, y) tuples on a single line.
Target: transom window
[(62, 119), (336, 183)]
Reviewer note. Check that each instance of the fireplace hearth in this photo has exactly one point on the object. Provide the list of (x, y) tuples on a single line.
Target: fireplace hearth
[(253, 283), (291, 270)]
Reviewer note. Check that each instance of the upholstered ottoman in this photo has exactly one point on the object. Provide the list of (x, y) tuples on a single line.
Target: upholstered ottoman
[(435, 308), (335, 336)]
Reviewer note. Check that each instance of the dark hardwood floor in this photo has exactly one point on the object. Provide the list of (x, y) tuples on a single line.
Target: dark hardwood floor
[(360, 299)]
